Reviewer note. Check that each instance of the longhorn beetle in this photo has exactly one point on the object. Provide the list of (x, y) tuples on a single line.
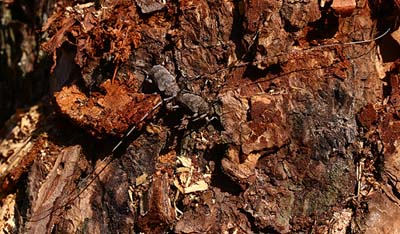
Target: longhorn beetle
[(167, 84)]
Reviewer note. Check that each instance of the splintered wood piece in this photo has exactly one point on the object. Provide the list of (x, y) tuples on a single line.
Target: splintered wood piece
[(109, 114), (16, 145), (267, 127), (53, 191), (150, 6), (344, 7), (156, 211)]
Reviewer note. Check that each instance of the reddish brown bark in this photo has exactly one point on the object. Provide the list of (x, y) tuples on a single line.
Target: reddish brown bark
[(301, 133)]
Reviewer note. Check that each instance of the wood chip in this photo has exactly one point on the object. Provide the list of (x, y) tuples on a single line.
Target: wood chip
[(200, 185), (344, 7)]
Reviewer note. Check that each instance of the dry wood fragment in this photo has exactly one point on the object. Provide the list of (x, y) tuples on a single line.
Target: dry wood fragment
[(344, 7), (53, 193)]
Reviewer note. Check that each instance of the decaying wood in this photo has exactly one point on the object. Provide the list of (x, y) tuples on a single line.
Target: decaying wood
[(15, 147), (301, 133), (112, 113), (53, 191)]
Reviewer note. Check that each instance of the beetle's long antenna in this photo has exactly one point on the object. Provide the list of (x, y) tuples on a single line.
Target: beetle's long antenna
[(352, 42)]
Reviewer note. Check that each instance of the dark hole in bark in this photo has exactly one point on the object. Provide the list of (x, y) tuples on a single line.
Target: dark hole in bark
[(219, 179), (324, 28)]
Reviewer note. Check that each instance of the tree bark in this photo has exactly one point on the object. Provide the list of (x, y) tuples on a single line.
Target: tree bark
[(262, 117)]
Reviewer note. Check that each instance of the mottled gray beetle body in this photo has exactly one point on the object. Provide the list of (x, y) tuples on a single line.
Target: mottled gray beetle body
[(194, 103), (165, 82)]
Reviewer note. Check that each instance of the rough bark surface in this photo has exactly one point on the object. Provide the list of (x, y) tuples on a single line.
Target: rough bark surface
[(278, 122)]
